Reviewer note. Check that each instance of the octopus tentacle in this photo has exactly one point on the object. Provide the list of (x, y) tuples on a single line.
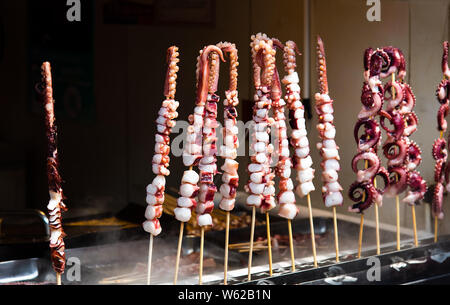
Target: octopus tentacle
[(204, 72), (445, 68), (170, 84), (390, 101), (396, 119), (396, 64), (372, 168), (439, 150), (397, 181), (363, 193), (384, 174), (396, 152), (411, 122), (439, 171), (418, 188), (372, 102), (371, 136), (322, 67), (379, 61), (442, 114), (438, 197), (443, 91), (409, 99), (414, 155)]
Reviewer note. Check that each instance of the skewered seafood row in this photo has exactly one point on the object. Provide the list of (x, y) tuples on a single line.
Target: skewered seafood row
[(160, 163), (440, 146), (200, 147), (55, 206), (403, 154), (230, 177), (261, 184), (302, 161), (363, 191), (331, 190)]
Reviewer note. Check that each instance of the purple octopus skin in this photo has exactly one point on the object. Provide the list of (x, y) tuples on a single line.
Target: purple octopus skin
[(370, 137), (443, 91), (372, 102), (397, 182), (438, 197), (439, 169), (409, 100), (396, 63), (384, 174), (439, 150), (373, 165), (378, 61), (391, 103), (417, 186), (445, 68), (396, 119), (363, 193), (411, 122), (414, 155), (442, 113), (396, 152)]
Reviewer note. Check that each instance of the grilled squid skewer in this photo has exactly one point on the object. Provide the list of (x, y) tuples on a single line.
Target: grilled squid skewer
[(302, 161), (160, 163), (56, 205)]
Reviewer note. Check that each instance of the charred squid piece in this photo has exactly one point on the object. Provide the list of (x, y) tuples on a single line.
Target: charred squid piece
[(396, 120), (393, 103), (414, 156), (442, 114), (445, 68), (438, 198), (363, 193), (397, 181), (443, 91), (56, 205), (417, 188), (396, 63), (439, 150), (411, 122), (371, 136), (372, 169), (396, 152)]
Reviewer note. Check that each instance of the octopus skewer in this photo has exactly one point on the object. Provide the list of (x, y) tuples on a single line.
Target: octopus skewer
[(161, 159), (195, 150), (286, 196), (228, 151), (261, 184), (364, 191), (440, 151), (331, 190), (56, 205), (299, 142)]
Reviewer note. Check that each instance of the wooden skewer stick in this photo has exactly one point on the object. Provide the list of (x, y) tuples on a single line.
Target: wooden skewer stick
[(180, 241), (377, 223), (177, 262), (413, 210), (313, 235), (252, 236), (269, 243), (150, 254), (397, 205), (361, 229), (202, 243), (227, 242), (58, 279), (336, 238), (291, 245)]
